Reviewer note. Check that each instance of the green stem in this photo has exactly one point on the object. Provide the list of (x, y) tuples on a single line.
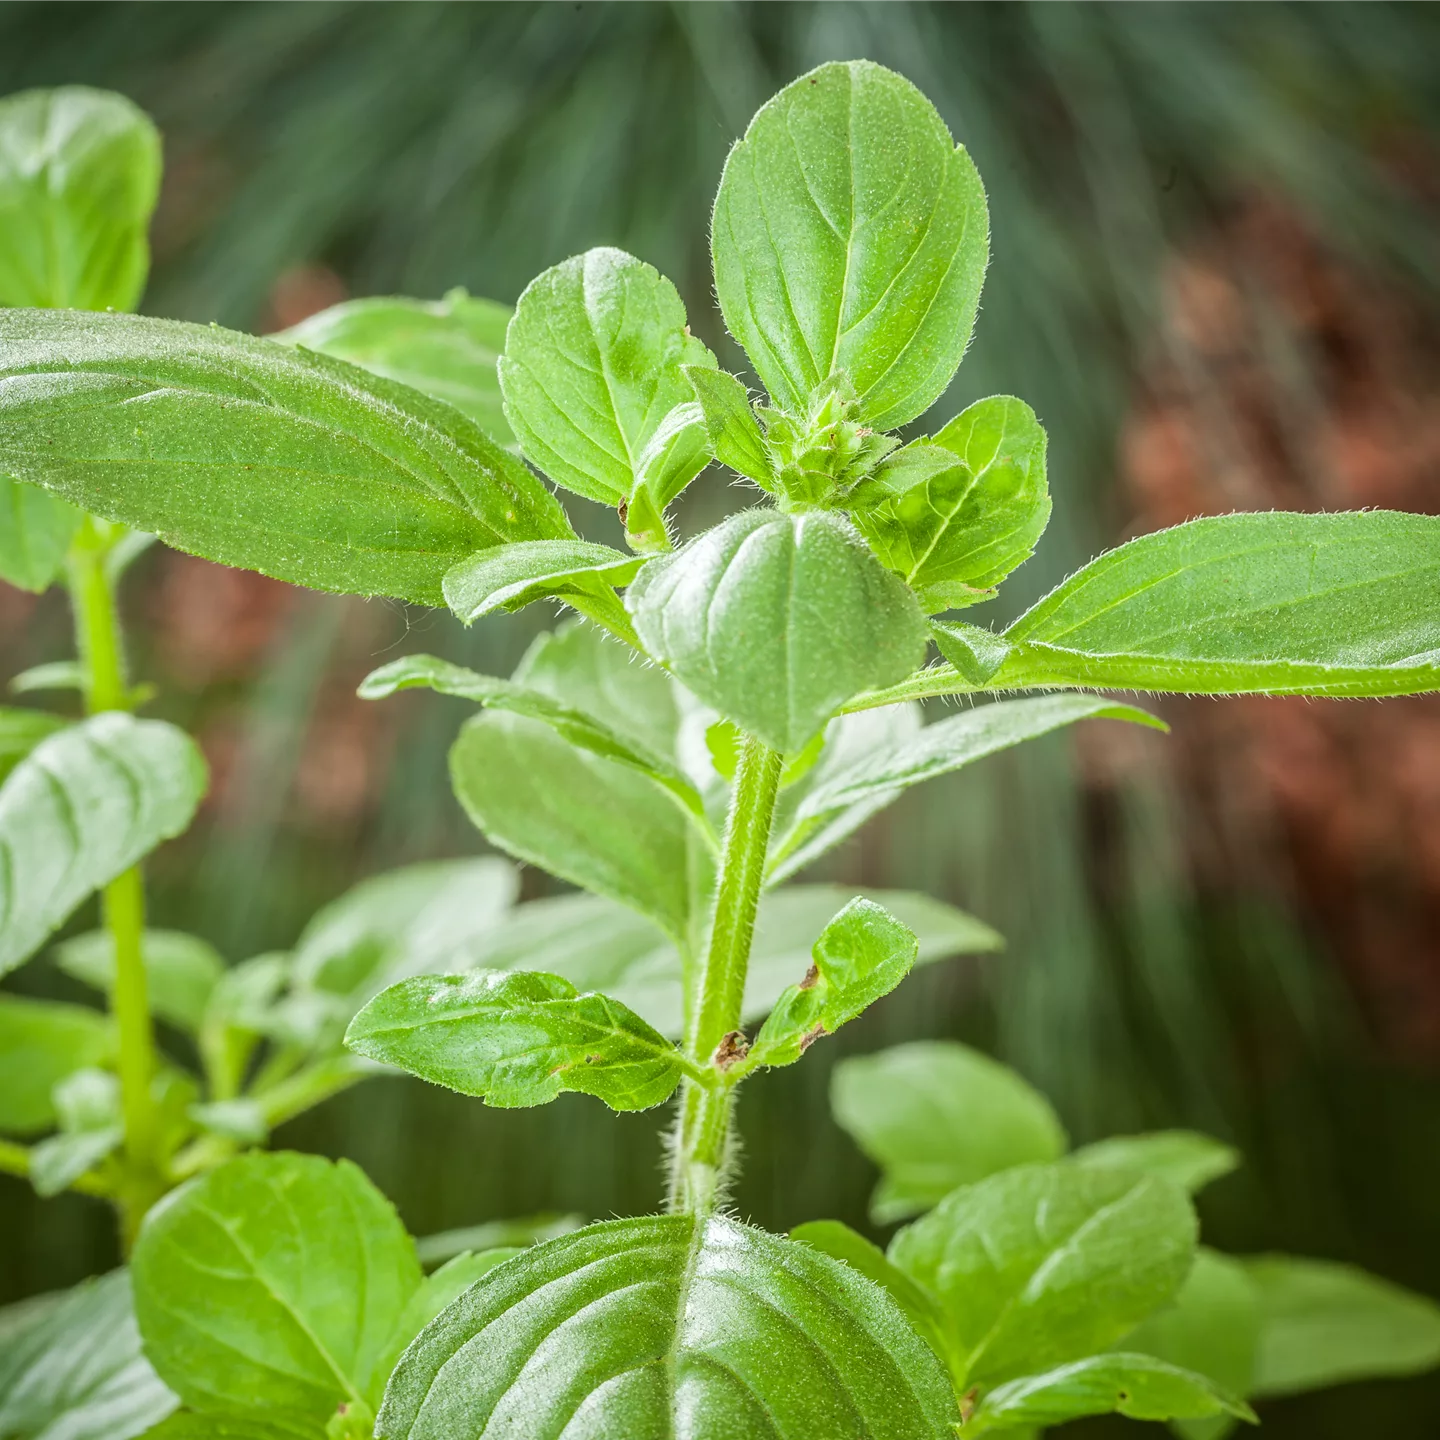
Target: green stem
[(102, 657), (704, 1124)]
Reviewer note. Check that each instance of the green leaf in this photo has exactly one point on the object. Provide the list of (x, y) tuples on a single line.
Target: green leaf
[(581, 730), (41, 1042), (1188, 1158), (840, 1242), (71, 1367), (862, 954), (239, 1012), (1281, 604), (187, 1425), (79, 176), (850, 235), (21, 731), (731, 425), (975, 652), (593, 822), (673, 456), (1139, 1386), (657, 1326), (243, 1121), (592, 366), (934, 1115), (1322, 1323), (84, 805), (257, 454), (1044, 1264), (36, 528), (180, 970), (513, 576), (1212, 1328), (777, 620), (54, 675), (446, 348), (954, 516), (273, 1283), (492, 1235), (886, 772), (87, 1105), (518, 1038)]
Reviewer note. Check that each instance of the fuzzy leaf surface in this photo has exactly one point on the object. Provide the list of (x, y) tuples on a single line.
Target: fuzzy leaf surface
[(71, 1367), (1044, 1264), (851, 235), (517, 1038), (510, 577), (84, 805), (934, 1115), (730, 422), (1190, 1159), (257, 454), (777, 620), (180, 970), (275, 1282), (592, 366), (669, 1326), (446, 348), (1345, 604)]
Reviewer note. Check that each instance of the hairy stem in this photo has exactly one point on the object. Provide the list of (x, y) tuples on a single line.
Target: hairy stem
[(102, 659), (704, 1123)]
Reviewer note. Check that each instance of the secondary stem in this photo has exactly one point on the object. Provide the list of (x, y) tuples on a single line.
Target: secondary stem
[(102, 658), (705, 1112)]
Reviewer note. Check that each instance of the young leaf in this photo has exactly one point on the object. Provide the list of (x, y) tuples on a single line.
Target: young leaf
[(592, 366), (53, 675), (36, 528), (71, 1367), (274, 1283), (580, 729), (850, 235), (446, 348), (598, 824), (777, 620), (660, 1325), (239, 1012), (1044, 1264), (1323, 1323), (180, 970), (84, 805), (79, 176), (510, 577), (934, 1115), (954, 516), (673, 456), (975, 652), (21, 731), (862, 954), (257, 454), (41, 1042), (517, 1038), (494, 1235), (731, 425), (1234, 604), (1188, 1158), (87, 1105), (1139, 1386)]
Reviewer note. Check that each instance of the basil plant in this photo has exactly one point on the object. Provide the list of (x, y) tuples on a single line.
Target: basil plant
[(719, 711)]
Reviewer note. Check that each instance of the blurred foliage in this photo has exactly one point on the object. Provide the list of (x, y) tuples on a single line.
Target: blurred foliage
[(318, 150)]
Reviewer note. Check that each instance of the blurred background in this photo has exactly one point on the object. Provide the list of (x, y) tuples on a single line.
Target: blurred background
[(1215, 274)]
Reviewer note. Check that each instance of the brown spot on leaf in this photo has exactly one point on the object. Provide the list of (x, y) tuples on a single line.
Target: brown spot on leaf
[(811, 976), (811, 1036), (732, 1049)]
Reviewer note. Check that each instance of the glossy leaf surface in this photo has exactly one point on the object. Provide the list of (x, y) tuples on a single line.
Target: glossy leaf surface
[(850, 235), (41, 1042), (1044, 1264), (84, 805), (777, 620), (666, 1326), (1345, 604), (935, 1114), (1190, 1159), (180, 970), (592, 366), (79, 175), (71, 1367), (517, 1038), (447, 348), (273, 1283), (36, 528), (257, 454)]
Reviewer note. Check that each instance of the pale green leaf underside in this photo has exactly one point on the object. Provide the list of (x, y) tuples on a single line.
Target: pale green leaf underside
[(180, 970), (84, 805), (850, 234), (41, 1042), (273, 1283), (669, 1327), (446, 348), (36, 528), (71, 1367), (257, 454), (935, 1114)]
